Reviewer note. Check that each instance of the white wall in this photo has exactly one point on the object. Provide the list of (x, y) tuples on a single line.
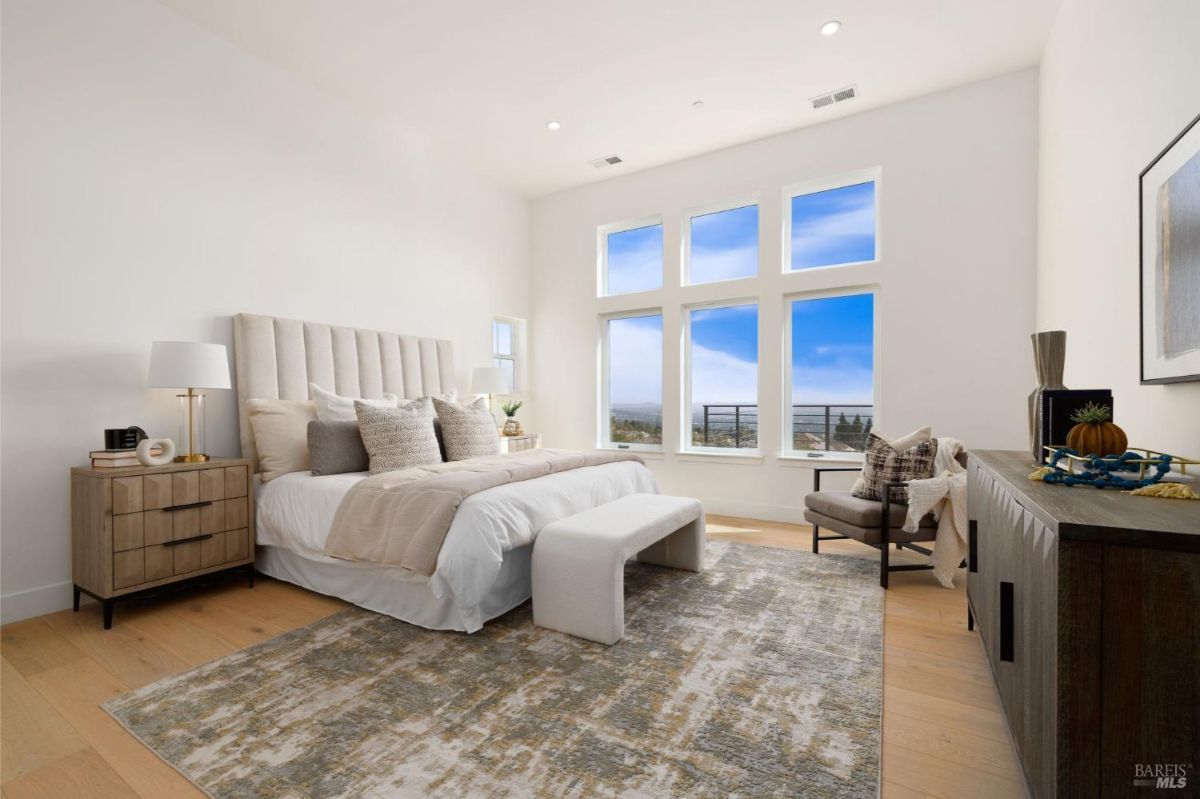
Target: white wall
[(1119, 80), (956, 281), (157, 180)]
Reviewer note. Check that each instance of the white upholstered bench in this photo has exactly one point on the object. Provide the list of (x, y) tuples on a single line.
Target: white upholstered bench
[(579, 562)]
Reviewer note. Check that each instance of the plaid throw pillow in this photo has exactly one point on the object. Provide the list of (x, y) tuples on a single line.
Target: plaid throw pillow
[(883, 464)]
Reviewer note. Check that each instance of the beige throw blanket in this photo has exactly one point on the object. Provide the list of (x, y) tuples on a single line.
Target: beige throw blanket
[(944, 495), (401, 518)]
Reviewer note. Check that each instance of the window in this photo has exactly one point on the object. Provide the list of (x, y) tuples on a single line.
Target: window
[(632, 259), (504, 349), (723, 245), (832, 227), (832, 375), (723, 376), (633, 381)]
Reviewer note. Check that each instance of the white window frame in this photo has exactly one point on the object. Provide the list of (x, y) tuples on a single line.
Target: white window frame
[(842, 291), (870, 175), (685, 432), (685, 259), (603, 401), (518, 338), (602, 234)]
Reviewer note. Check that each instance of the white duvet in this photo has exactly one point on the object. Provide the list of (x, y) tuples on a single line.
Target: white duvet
[(296, 511)]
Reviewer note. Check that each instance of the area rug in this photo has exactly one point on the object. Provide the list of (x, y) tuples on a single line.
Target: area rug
[(760, 677)]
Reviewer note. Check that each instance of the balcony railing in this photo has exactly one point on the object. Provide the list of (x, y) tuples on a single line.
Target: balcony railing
[(829, 428)]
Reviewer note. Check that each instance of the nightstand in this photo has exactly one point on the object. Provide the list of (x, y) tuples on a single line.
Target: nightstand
[(522, 442), (144, 527)]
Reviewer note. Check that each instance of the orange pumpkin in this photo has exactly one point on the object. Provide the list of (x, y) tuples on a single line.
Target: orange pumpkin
[(1097, 438)]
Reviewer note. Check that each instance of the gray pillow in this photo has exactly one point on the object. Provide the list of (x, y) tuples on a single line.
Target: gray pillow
[(468, 431), (398, 438), (336, 448)]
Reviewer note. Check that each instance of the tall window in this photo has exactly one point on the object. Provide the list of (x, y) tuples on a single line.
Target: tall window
[(632, 259), (832, 227), (723, 376), (832, 373), (723, 245), (504, 349), (633, 381)]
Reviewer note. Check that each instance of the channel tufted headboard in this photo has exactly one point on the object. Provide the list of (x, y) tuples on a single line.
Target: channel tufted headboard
[(277, 359)]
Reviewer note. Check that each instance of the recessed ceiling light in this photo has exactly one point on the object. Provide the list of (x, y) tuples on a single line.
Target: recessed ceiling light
[(552, 125), (831, 27), (698, 104)]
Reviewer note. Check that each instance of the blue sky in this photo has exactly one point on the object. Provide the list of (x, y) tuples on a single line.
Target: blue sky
[(832, 357)]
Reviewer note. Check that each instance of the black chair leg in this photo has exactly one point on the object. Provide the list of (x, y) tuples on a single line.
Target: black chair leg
[(883, 555), (970, 619), (816, 539), (76, 599)]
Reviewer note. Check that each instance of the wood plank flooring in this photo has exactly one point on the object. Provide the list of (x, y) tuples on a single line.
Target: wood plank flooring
[(944, 734)]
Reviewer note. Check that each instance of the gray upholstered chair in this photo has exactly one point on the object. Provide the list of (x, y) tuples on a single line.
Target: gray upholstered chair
[(863, 520)]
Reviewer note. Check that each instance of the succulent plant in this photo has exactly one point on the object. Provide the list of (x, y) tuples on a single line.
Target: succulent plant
[(1092, 413), (510, 408)]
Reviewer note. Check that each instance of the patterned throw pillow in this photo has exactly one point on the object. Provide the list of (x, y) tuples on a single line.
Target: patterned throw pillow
[(883, 464), (468, 431), (398, 438)]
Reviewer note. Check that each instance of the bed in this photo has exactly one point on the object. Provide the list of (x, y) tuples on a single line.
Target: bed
[(483, 568)]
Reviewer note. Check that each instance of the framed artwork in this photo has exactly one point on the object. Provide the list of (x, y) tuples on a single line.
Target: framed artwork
[(1169, 238)]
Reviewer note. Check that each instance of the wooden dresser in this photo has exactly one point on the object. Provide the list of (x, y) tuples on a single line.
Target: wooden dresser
[(140, 528), (1087, 602)]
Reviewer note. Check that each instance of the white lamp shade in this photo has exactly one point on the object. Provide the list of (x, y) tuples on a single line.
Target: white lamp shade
[(188, 364), (489, 380)]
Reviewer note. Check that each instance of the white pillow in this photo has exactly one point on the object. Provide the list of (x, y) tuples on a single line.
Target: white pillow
[(336, 408), (280, 435)]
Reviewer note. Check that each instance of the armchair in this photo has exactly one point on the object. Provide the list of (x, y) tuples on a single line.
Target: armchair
[(874, 523)]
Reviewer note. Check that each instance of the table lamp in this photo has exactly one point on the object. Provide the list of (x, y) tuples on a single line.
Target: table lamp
[(191, 365), (490, 380)]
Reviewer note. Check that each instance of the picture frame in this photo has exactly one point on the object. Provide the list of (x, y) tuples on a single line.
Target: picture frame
[(1169, 262)]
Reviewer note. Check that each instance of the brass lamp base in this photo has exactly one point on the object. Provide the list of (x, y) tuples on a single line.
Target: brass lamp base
[(195, 458)]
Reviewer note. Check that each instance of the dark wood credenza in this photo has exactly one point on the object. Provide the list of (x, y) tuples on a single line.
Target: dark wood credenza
[(1087, 603)]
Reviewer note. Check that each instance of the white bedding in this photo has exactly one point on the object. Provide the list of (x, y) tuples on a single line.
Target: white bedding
[(296, 511)]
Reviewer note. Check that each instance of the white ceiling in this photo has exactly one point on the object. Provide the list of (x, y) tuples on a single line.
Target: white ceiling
[(482, 77)]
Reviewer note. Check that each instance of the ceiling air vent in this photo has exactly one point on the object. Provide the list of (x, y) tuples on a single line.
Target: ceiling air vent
[(841, 95), (601, 163)]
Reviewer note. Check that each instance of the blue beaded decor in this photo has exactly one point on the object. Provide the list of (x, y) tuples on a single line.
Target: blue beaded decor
[(1099, 471)]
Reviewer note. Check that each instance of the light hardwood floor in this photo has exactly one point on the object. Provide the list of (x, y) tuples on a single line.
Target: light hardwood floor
[(943, 731)]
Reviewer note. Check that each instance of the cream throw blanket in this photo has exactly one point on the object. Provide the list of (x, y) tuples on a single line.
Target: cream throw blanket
[(401, 518), (945, 494)]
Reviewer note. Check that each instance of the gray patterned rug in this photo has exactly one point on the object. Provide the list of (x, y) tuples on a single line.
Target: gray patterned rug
[(761, 677)]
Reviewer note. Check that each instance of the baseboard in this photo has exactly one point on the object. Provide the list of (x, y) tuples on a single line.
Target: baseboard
[(21, 605), (753, 510)]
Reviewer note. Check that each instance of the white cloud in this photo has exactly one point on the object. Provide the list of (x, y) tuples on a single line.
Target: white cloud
[(820, 232), (709, 264), (722, 377), (839, 384), (635, 363), (636, 269)]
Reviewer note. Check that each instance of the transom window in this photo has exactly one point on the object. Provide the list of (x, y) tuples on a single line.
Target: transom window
[(722, 245), (831, 226), (631, 258)]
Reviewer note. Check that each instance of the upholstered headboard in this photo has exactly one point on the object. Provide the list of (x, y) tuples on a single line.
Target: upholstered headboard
[(278, 358)]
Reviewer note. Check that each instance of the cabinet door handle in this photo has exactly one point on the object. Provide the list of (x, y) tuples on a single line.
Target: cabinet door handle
[(187, 540), (205, 503), (973, 545), (1006, 622)]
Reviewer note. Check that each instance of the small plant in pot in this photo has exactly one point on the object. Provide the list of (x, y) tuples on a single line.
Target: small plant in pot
[(511, 426), (1094, 432)]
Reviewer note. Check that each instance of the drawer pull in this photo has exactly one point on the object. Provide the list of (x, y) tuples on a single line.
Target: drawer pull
[(1006, 622), (187, 540), (203, 504), (973, 545)]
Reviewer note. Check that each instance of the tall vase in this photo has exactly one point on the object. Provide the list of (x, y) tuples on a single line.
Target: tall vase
[(1049, 356)]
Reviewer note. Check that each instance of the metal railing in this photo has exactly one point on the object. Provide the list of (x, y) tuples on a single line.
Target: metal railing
[(814, 427)]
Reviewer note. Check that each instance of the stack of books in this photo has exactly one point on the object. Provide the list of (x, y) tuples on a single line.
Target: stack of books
[(118, 458)]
